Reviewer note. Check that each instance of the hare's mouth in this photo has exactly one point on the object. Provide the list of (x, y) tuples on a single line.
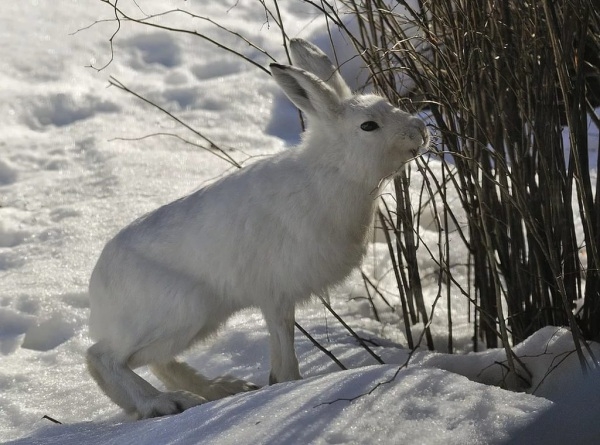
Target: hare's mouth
[(423, 147), (426, 138)]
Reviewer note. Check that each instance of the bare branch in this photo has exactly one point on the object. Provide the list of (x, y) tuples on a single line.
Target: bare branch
[(212, 148)]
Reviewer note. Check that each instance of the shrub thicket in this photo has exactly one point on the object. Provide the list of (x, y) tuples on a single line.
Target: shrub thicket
[(511, 87)]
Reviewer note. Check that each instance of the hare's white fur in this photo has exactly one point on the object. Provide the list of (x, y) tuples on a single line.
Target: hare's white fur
[(267, 236)]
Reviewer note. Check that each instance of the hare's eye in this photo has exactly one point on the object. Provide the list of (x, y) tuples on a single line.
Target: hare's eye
[(369, 126)]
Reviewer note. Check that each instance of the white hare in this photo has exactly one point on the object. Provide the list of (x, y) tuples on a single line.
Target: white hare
[(266, 236)]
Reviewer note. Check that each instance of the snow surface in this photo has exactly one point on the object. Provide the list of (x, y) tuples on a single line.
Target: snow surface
[(69, 181)]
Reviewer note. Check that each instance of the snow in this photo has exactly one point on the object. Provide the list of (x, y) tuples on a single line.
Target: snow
[(73, 171), (318, 411)]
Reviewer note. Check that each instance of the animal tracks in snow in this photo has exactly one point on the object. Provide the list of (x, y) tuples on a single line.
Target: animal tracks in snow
[(11, 234), (178, 85), (48, 334), (26, 331), (148, 50), (62, 109), (8, 174), (13, 326), (49, 170)]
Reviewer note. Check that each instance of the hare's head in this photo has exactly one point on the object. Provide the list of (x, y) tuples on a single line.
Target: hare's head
[(363, 135), (379, 136)]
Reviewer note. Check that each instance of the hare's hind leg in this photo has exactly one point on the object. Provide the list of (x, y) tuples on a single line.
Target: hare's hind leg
[(130, 391), (180, 376)]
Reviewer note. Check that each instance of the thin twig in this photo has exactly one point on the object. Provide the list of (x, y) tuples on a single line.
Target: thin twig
[(350, 330), (320, 347), (213, 147), (51, 419)]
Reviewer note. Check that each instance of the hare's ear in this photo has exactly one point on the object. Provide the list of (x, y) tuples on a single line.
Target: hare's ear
[(306, 91), (307, 56)]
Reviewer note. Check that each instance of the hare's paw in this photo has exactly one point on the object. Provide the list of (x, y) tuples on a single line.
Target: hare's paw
[(228, 386), (168, 403)]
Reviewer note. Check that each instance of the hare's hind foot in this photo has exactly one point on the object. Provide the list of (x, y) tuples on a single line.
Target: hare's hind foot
[(180, 376), (227, 386), (130, 391), (168, 403)]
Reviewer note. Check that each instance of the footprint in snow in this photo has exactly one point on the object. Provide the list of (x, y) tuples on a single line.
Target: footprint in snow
[(12, 327), (148, 51), (11, 236), (8, 174), (48, 334), (61, 213), (63, 109)]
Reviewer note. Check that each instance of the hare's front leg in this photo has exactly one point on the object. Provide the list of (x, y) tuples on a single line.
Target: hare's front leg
[(284, 364)]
